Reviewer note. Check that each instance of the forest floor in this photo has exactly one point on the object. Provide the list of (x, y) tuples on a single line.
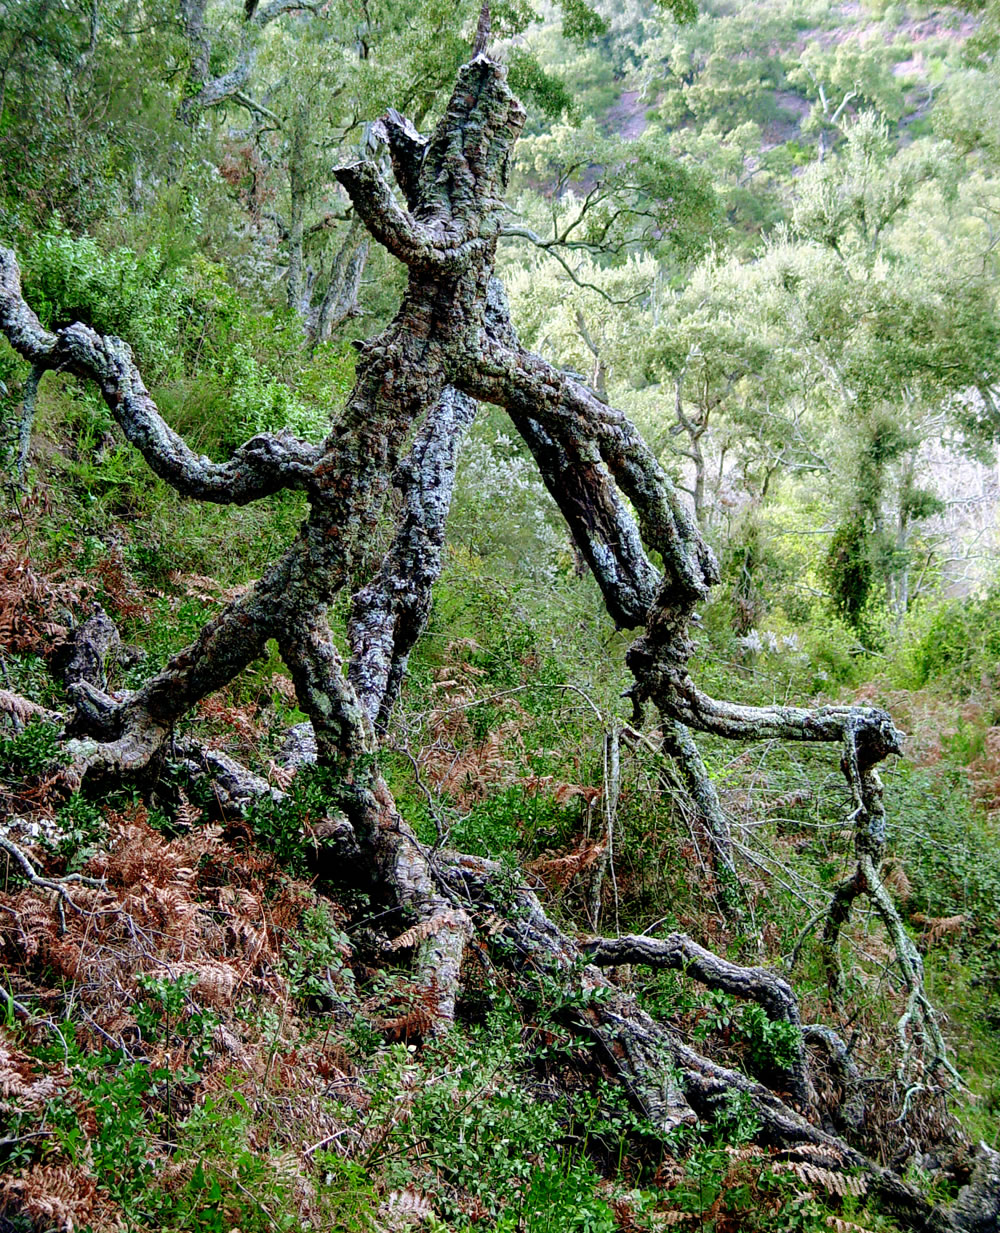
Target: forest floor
[(211, 1029)]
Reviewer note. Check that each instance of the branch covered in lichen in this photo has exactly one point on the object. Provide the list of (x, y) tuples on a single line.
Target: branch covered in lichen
[(263, 465)]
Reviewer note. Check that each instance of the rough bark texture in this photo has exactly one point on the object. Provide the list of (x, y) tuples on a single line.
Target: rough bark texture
[(90, 652), (450, 343), (389, 614)]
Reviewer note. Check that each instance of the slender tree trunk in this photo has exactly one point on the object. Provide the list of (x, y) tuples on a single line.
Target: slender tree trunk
[(340, 300), (297, 191)]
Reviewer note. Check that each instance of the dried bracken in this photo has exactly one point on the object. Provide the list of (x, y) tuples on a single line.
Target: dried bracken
[(405, 1208), (558, 871), (839, 1225), (426, 929), (937, 927), (28, 600), (840, 1184), (23, 709)]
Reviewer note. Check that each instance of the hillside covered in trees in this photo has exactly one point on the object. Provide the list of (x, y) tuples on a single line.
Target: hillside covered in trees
[(499, 616)]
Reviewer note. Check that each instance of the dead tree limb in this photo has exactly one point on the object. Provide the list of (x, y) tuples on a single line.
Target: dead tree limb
[(682, 954), (679, 743)]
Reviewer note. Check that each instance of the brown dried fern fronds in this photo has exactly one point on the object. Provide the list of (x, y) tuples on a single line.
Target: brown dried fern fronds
[(57, 1197), (28, 598), (937, 927), (895, 878), (427, 929), (420, 1017), (839, 1225), (558, 871), (824, 1154), (126, 598), (404, 1208), (20, 1085), (840, 1184), (22, 710)]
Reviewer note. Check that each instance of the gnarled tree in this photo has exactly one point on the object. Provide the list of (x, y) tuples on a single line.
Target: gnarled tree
[(449, 346)]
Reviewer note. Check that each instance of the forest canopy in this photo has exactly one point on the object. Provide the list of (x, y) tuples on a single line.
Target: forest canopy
[(498, 596)]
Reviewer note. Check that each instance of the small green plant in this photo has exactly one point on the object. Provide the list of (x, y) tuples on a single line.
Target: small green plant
[(772, 1044), (560, 1194), (32, 751), (281, 825), (81, 828), (314, 957), (737, 1122), (169, 1012)]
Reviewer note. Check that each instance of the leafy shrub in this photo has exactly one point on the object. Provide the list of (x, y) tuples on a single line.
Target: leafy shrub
[(961, 641), (81, 826), (31, 751), (314, 957), (71, 279), (515, 818), (280, 825), (479, 1134), (260, 403), (772, 1044)]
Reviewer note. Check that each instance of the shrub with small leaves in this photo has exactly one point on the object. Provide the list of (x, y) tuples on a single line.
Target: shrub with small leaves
[(69, 279)]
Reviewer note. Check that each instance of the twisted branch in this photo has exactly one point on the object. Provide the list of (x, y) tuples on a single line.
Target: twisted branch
[(261, 466)]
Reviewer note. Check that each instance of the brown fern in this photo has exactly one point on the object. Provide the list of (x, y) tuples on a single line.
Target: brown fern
[(186, 814), (894, 877), (841, 1184), (22, 709), (938, 927), (558, 871), (407, 1207), (426, 929)]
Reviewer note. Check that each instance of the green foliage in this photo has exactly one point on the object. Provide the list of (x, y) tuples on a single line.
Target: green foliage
[(512, 819), (223, 1180), (30, 752), (175, 624), (68, 279), (314, 956), (168, 1012), (772, 1045), (849, 570), (474, 1128), (259, 403), (81, 829), (546, 90), (752, 570), (580, 22), (961, 643), (737, 1121), (281, 826), (947, 849), (823, 360)]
